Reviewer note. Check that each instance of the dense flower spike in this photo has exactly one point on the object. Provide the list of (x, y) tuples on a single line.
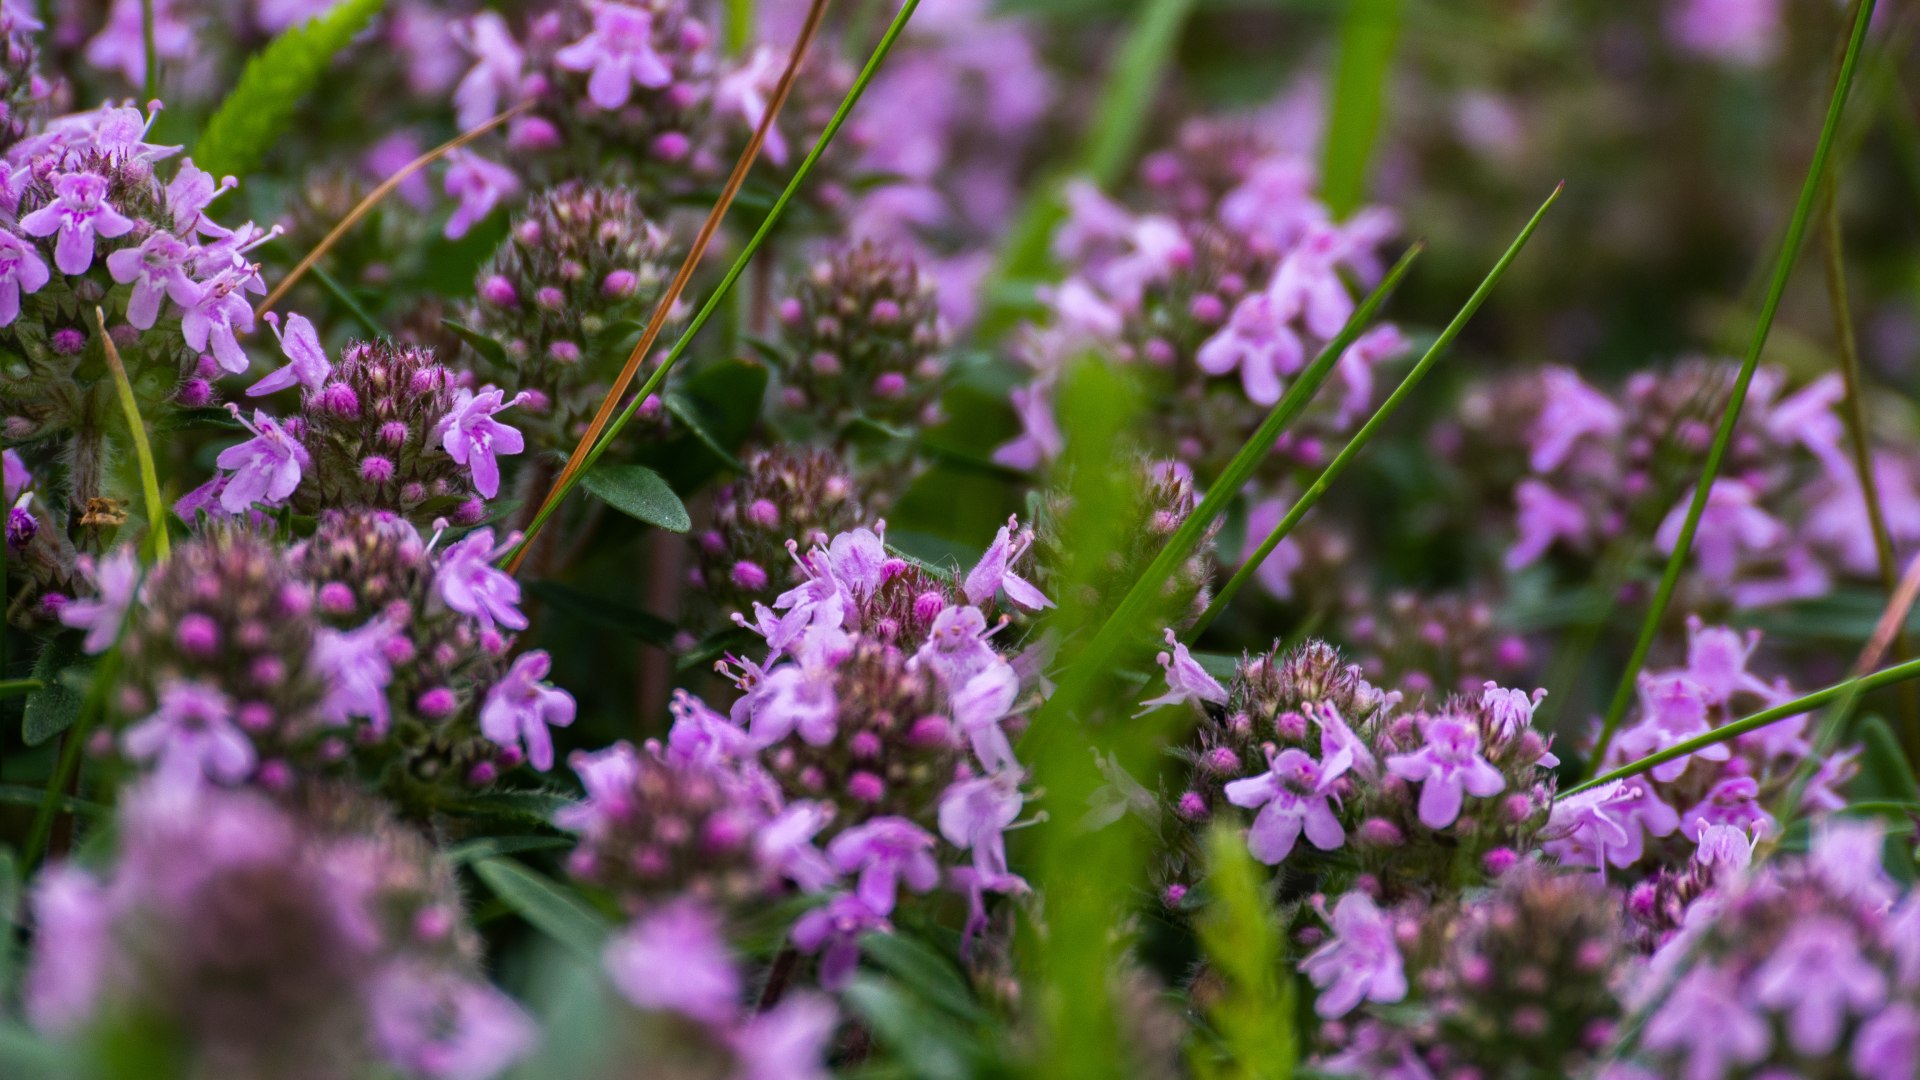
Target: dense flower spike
[(786, 493)]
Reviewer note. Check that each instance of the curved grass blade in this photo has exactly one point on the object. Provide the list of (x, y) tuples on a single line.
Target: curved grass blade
[(567, 483), (585, 452), (1225, 488), (1716, 454), (1367, 431), (1368, 32), (157, 543)]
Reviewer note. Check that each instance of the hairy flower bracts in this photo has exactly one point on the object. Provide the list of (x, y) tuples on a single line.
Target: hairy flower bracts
[(388, 428), (807, 495), (224, 672), (1782, 521), (1729, 783), (622, 82), (869, 760), (1806, 966), (447, 716), (1432, 644), (264, 941), (1519, 980), (863, 340), (1219, 306), (88, 219), (1334, 778), (1158, 497), (582, 268)]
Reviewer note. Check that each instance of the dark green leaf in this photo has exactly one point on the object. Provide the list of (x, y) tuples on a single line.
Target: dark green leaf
[(602, 612), (487, 847), (526, 807), (639, 493), (253, 116), (552, 908), (923, 970), (54, 707), (1368, 32), (489, 349), (931, 1045), (25, 1056)]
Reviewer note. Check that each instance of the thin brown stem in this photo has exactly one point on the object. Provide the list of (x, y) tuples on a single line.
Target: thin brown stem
[(366, 205), (816, 12)]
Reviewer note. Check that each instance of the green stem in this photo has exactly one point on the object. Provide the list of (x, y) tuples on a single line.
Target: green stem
[(1371, 427), (142, 452), (151, 52), (1226, 487), (16, 687), (1776, 289), (1843, 692), (70, 754), (720, 292)]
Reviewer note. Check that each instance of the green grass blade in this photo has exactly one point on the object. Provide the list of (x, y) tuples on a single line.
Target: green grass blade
[(1119, 627), (149, 53), (157, 541), (1368, 32), (1120, 118), (719, 294), (1842, 692), (1240, 935), (1368, 430), (275, 80), (1782, 270)]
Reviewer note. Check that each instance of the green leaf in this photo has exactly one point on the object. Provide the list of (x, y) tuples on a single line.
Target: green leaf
[(602, 612), (54, 707), (252, 117), (488, 847), (1885, 763), (526, 807), (25, 1056), (28, 795), (1368, 32), (550, 907), (931, 1045), (489, 349), (720, 406), (1253, 1014), (924, 970), (639, 493)]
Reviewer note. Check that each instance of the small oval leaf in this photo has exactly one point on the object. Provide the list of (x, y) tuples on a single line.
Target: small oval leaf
[(640, 493)]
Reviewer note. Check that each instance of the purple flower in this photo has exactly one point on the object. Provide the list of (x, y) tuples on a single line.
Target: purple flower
[(1510, 709), (154, 268), (1040, 440), (979, 706), (785, 846), (215, 312), (608, 775), (994, 572), (1361, 963), (1308, 282), (885, 852), (975, 815), (79, 212), (676, 959), (479, 185), (74, 950), (1544, 516), (520, 706), (1571, 411), (1816, 975), (266, 468), (307, 363), (1889, 1044), (1731, 524), (1448, 769), (498, 61), (121, 43), (470, 584), (1590, 828), (472, 437), (14, 476), (1848, 857), (356, 671), (794, 697), (1726, 847), (701, 737), (786, 1042), (21, 271), (192, 733), (432, 1023), (189, 193), (115, 580), (1745, 32), (619, 53), (956, 647), (1293, 796), (1259, 340), (744, 92), (1704, 1020), (1186, 679), (834, 930)]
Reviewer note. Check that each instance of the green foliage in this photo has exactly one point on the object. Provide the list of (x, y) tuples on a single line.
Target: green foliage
[(1368, 32), (239, 135), (53, 708), (597, 610), (1253, 1015), (553, 909), (639, 493)]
